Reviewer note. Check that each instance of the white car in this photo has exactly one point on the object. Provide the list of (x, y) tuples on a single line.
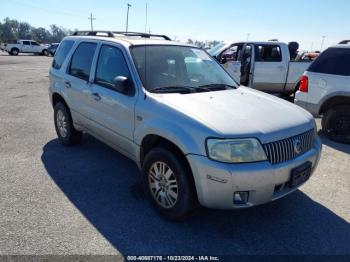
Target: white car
[(325, 91), (27, 46), (266, 66)]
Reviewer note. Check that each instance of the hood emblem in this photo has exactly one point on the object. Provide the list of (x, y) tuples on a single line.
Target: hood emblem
[(297, 146)]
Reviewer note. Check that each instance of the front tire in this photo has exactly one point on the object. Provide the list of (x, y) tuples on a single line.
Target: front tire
[(168, 184), (45, 52), (336, 123), (64, 126)]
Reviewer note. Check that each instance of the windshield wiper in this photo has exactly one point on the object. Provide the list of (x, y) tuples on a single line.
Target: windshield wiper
[(217, 87), (172, 89)]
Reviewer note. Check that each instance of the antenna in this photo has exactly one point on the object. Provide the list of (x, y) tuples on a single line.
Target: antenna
[(91, 18), (127, 18), (146, 18)]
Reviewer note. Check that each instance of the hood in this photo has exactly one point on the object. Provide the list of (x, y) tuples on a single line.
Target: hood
[(243, 112)]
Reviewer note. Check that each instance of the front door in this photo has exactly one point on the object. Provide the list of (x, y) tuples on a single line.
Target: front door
[(36, 48), (230, 61), (112, 114)]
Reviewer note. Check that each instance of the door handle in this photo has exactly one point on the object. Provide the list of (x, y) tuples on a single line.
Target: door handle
[(96, 96), (67, 84)]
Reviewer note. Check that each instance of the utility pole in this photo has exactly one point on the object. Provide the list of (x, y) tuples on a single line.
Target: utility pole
[(323, 38), (248, 34), (127, 18), (91, 18)]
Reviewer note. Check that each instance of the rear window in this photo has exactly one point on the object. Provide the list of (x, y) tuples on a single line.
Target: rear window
[(62, 53), (335, 61), (268, 53)]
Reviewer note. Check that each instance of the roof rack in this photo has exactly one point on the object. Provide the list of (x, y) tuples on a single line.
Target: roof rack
[(115, 33), (143, 35), (345, 42), (93, 33)]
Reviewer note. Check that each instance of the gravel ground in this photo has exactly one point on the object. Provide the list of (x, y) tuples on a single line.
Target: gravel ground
[(88, 199)]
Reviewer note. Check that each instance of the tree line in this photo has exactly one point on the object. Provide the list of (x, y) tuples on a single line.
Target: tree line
[(12, 29)]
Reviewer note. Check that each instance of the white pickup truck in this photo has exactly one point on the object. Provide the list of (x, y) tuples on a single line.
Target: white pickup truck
[(265, 66), (26, 46)]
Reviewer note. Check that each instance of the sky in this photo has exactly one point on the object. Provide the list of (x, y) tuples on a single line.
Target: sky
[(304, 21)]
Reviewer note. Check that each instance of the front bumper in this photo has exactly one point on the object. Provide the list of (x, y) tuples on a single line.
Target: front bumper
[(216, 182)]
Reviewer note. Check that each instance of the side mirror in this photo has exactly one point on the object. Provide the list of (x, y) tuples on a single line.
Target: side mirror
[(223, 60), (122, 84)]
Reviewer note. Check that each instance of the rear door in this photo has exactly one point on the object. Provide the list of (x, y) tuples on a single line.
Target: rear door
[(26, 47), (77, 81), (112, 114), (270, 68)]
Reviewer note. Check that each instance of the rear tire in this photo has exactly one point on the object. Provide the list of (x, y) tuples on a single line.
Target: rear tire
[(336, 123), (64, 126), (170, 190), (14, 51)]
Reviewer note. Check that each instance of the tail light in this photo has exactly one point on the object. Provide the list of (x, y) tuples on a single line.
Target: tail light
[(304, 84)]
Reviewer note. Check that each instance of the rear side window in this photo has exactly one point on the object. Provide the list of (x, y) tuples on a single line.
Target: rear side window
[(268, 53), (335, 61), (62, 53), (111, 64), (26, 43), (81, 62)]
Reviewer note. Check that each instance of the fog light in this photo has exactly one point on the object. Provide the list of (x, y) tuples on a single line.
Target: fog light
[(240, 197)]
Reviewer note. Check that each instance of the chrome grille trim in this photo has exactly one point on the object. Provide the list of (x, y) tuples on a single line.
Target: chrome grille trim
[(284, 150)]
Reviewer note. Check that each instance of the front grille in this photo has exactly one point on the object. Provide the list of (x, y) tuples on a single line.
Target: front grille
[(290, 148)]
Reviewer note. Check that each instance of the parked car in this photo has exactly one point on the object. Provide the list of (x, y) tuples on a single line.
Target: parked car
[(26, 46), (170, 107), (265, 66), (52, 48), (325, 91)]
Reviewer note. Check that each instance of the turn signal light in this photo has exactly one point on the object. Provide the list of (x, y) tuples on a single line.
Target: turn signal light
[(304, 84)]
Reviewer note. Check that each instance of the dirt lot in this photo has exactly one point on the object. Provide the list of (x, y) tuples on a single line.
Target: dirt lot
[(88, 200)]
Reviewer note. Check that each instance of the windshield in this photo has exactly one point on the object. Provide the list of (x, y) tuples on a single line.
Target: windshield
[(179, 69), (215, 49)]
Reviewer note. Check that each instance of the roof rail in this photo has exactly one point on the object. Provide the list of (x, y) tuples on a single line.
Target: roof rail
[(345, 42), (94, 33), (143, 35)]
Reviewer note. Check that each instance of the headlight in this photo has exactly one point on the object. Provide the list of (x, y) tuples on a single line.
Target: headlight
[(235, 150)]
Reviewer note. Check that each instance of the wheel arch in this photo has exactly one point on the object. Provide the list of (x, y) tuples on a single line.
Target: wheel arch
[(56, 97), (151, 141), (333, 101)]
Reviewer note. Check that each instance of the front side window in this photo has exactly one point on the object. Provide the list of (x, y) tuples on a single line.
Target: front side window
[(335, 61), (62, 53), (268, 53), (111, 64), (82, 60), (179, 69), (232, 54)]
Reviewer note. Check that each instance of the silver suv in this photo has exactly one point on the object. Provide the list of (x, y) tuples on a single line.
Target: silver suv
[(194, 132)]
